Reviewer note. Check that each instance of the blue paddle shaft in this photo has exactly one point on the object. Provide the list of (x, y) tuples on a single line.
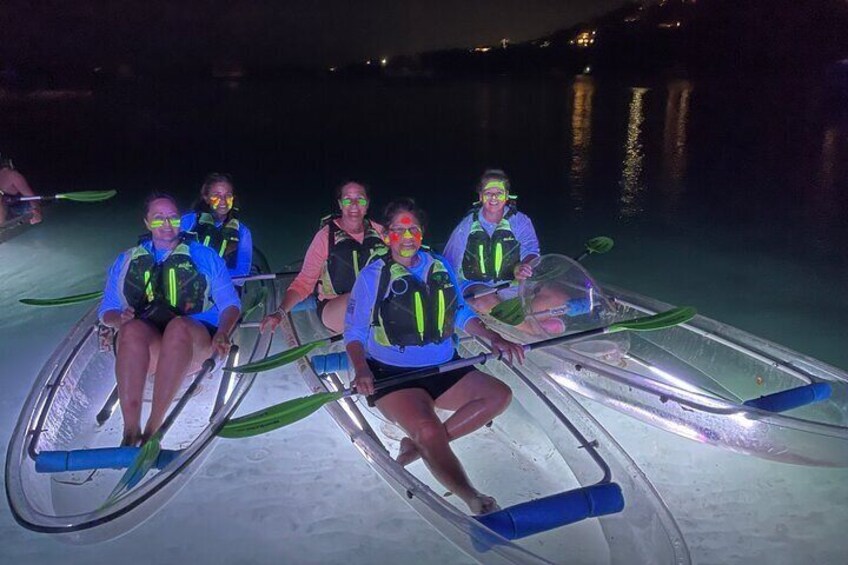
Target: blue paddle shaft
[(792, 398)]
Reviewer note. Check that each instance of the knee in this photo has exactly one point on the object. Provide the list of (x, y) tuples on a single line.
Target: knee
[(133, 332), (178, 329), (429, 433), (500, 398)]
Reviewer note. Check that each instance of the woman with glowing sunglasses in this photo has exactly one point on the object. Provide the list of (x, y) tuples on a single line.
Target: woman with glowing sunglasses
[(403, 313), (215, 223), (343, 246), (494, 243), (172, 302)]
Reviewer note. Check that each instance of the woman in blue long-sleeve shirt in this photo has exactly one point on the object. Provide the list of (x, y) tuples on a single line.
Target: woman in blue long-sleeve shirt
[(402, 314), (215, 224), (173, 303)]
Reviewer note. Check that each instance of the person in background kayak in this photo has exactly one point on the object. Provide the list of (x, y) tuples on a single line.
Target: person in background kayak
[(12, 184), (342, 247), (215, 223), (403, 312), (172, 303), (495, 244)]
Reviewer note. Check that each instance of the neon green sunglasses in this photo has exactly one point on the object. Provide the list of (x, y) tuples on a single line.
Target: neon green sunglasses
[(154, 224), (361, 202)]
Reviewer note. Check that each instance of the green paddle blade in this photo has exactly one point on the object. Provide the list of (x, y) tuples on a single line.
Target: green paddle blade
[(600, 244), (87, 195), (280, 359), (277, 416), (143, 462), (64, 301), (509, 312), (667, 319)]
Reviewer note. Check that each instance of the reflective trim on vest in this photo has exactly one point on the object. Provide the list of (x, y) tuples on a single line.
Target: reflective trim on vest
[(175, 281), (408, 311), (491, 258), (346, 257), (224, 239)]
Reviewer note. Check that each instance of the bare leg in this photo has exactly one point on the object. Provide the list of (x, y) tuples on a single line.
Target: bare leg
[(476, 400), (2, 211), (137, 350), (185, 345), (334, 313), (413, 410)]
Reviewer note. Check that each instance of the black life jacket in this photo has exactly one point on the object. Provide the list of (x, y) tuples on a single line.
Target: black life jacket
[(491, 258), (408, 311), (346, 257), (174, 285), (224, 240)]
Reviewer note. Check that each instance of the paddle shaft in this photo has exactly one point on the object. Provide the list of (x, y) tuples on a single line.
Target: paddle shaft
[(207, 366), (482, 358), (266, 277)]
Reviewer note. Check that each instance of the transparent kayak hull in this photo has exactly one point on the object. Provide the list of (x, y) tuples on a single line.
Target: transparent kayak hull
[(702, 380), (73, 408), (544, 443)]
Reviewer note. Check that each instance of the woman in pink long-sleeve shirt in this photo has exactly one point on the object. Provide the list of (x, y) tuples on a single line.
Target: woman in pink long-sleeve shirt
[(341, 248)]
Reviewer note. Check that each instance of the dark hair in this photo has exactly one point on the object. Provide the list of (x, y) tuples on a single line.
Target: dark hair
[(490, 175), (400, 205), (338, 191), (6, 162), (156, 195), (215, 178)]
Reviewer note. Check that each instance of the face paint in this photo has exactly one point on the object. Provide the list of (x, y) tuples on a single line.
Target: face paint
[(408, 252), (215, 201)]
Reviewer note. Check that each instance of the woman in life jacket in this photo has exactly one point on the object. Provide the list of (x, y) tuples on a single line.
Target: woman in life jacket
[(215, 224), (495, 243), (12, 184), (344, 245), (403, 313), (172, 303)]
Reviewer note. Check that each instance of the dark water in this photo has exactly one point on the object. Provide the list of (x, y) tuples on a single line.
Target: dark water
[(729, 196)]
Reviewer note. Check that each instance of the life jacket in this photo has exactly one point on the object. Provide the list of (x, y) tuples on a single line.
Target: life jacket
[(174, 285), (224, 239), (408, 311), (491, 258), (346, 257)]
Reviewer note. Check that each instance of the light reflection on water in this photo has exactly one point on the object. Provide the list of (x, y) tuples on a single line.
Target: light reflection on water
[(674, 139), (631, 181), (581, 137)]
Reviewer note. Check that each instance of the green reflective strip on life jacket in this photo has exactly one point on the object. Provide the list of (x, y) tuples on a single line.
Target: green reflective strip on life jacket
[(355, 263), (419, 315), (482, 258), (223, 248), (148, 289), (206, 240), (441, 313), (172, 287), (498, 258)]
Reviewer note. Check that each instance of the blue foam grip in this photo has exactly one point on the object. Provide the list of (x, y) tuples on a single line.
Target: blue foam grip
[(101, 458), (553, 511), (330, 363), (578, 306), (792, 398), (306, 304)]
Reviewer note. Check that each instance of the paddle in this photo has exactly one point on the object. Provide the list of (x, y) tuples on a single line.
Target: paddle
[(600, 244), (81, 196), (87, 296), (149, 452), (284, 357), (296, 409)]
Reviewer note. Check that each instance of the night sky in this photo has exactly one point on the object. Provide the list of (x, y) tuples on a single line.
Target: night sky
[(83, 33)]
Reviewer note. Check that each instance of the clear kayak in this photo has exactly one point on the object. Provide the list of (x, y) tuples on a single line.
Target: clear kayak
[(702, 380), (63, 460), (569, 492), (13, 227)]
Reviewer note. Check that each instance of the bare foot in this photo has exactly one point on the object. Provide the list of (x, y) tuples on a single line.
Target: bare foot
[(131, 439), (482, 504), (407, 452)]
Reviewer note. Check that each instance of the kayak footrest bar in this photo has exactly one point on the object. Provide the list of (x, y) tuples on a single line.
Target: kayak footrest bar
[(792, 398), (543, 514), (100, 458)]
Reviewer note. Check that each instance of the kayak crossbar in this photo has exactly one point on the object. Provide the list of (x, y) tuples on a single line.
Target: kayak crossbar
[(100, 458)]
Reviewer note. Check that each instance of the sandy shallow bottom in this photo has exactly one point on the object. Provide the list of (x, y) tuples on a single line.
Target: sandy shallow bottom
[(303, 494)]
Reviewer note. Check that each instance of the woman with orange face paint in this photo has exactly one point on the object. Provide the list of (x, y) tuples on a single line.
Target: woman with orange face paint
[(343, 246), (215, 223), (402, 314)]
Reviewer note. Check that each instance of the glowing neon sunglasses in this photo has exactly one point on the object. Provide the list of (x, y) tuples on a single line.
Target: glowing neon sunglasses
[(158, 223), (413, 230), (345, 202), (215, 200), (499, 195)]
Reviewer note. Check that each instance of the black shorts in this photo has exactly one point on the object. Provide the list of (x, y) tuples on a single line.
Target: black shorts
[(435, 385), (319, 308), (160, 327)]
